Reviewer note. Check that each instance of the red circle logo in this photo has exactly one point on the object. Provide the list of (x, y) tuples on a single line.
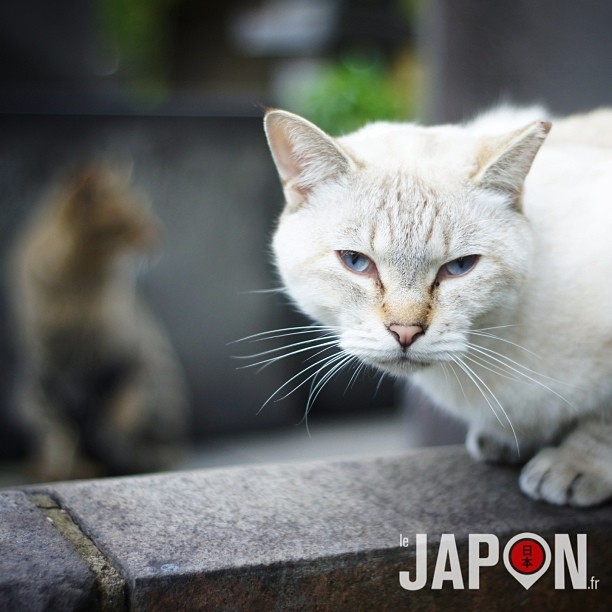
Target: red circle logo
[(527, 556)]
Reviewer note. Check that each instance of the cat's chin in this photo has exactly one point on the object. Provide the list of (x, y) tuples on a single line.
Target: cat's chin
[(402, 366)]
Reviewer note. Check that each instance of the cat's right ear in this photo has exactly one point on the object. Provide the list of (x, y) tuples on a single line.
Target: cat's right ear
[(304, 155)]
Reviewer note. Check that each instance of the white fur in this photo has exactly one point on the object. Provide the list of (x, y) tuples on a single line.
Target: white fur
[(413, 199)]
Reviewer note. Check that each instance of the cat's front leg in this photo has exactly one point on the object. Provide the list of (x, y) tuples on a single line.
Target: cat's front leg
[(578, 472), (492, 444)]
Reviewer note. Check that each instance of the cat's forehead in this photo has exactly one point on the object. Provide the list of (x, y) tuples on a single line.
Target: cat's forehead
[(401, 197), (395, 211), (440, 152)]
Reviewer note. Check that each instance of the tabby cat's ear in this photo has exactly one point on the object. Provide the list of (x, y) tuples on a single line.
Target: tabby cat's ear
[(504, 161), (304, 155)]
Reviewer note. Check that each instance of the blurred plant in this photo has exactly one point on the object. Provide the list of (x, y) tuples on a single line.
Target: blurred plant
[(413, 9), (349, 92), (137, 30)]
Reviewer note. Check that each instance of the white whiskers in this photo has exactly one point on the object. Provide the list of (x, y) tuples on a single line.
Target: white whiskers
[(485, 334), (324, 359), (499, 364), (318, 373), (523, 372), (477, 380)]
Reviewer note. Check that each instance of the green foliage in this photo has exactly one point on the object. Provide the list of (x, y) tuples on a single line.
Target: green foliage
[(137, 30), (350, 92)]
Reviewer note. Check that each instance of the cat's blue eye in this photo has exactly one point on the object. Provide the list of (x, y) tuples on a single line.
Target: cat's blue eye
[(357, 262), (458, 267)]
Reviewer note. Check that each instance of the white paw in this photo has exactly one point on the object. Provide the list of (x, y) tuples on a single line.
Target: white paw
[(560, 476), (484, 445)]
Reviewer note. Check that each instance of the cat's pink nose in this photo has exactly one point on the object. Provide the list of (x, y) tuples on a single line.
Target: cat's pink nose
[(406, 334)]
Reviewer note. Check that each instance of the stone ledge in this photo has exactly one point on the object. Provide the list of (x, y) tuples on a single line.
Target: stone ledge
[(322, 535), (39, 570), (110, 586)]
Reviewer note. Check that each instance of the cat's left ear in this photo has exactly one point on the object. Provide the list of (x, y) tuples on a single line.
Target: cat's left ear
[(504, 161), (305, 156)]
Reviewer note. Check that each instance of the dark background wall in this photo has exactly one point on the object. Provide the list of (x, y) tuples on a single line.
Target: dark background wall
[(213, 185), (182, 98), (478, 53)]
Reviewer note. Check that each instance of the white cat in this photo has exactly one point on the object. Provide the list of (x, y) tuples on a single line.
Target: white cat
[(455, 255)]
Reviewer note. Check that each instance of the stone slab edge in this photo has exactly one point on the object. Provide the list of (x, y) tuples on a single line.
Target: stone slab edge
[(111, 587)]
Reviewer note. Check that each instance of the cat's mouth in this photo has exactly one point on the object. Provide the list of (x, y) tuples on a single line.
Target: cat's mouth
[(400, 362), (404, 362), (412, 361)]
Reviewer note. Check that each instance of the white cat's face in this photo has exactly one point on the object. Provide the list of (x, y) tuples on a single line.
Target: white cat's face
[(400, 264)]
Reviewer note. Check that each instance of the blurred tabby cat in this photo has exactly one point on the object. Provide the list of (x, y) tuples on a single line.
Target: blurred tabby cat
[(443, 254), (104, 391)]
